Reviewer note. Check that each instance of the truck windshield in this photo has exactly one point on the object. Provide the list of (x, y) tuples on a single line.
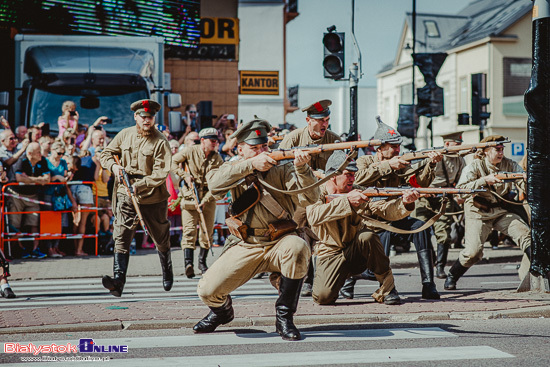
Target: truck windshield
[(46, 107)]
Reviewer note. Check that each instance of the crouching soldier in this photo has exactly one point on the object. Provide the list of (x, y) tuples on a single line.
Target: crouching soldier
[(263, 236), (347, 246)]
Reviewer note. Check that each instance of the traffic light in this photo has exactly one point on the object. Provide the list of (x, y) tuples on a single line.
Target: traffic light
[(479, 101), (333, 61)]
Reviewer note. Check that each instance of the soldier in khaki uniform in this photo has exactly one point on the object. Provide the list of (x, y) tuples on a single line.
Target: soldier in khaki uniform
[(346, 246), (316, 132), (484, 212), (386, 169), (199, 159), (146, 157), (259, 244), (447, 173)]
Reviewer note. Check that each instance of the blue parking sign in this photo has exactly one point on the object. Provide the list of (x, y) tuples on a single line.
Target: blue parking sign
[(518, 149)]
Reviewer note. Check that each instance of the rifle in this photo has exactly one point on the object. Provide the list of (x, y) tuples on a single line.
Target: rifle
[(125, 180), (509, 176), (281, 154), (199, 209), (460, 149), (277, 137), (398, 191)]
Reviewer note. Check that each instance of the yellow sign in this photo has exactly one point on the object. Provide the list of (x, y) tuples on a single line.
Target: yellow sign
[(259, 82), (220, 31)]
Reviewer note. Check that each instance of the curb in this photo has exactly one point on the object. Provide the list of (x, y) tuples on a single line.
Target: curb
[(530, 312)]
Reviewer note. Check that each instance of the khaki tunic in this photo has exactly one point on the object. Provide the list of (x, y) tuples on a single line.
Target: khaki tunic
[(301, 138), (147, 160), (427, 208), (347, 246), (199, 164), (288, 255), (479, 223), (373, 172)]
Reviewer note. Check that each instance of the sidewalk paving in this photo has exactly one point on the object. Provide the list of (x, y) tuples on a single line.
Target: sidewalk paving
[(168, 313)]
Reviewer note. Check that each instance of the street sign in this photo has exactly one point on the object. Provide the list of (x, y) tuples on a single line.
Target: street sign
[(518, 149), (259, 82)]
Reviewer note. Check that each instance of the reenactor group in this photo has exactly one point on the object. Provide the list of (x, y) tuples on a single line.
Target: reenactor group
[(308, 201)]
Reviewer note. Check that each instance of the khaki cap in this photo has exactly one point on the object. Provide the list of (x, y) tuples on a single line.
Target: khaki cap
[(493, 138), (456, 137), (253, 132), (208, 133), (145, 107), (318, 109)]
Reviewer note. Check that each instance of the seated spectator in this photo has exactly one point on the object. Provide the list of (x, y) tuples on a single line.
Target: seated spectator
[(69, 117), (10, 156), (33, 170), (59, 172)]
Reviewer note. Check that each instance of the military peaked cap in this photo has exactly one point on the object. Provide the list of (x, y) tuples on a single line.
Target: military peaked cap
[(319, 109), (456, 137), (145, 107), (253, 132), (493, 138)]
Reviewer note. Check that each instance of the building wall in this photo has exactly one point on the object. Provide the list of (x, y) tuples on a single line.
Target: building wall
[(262, 49)]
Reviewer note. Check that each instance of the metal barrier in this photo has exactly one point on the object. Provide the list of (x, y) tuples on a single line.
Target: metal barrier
[(50, 225)]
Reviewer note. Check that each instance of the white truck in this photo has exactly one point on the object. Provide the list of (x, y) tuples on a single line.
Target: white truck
[(103, 75)]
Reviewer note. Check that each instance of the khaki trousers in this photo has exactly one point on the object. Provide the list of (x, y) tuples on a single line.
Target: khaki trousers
[(290, 257), (477, 231), (332, 271), (190, 219), (442, 227), (155, 217)]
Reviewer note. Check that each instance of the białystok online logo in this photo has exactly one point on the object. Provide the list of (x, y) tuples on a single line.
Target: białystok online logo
[(84, 346), (89, 346)]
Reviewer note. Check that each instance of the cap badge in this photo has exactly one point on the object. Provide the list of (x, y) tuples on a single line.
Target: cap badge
[(392, 132), (258, 132), (146, 105), (318, 107)]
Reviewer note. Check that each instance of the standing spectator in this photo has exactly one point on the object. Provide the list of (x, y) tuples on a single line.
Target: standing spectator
[(9, 155), (20, 133), (87, 169), (69, 117), (191, 139), (59, 172), (228, 148), (33, 170), (45, 145), (69, 139), (95, 136), (191, 120)]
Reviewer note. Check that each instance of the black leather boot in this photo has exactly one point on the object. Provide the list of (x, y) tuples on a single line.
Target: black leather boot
[(392, 298), (367, 275), (456, 271), (528, 252), (188, 258), (120, 266), (427, 274), (348, 289), (441, 261), (285, 307), (203, 254), (217, 316), (167, 273)]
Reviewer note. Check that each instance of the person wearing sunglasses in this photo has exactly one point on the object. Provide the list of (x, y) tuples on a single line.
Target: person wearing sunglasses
[(192, 164), (9, 154)]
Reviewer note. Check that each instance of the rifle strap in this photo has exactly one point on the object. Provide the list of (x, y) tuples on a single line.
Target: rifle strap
[(492, 191), (411, 171), (312, 186), (381, 225)]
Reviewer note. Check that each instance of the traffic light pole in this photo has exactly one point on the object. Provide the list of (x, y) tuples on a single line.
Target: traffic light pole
[(355, 73)]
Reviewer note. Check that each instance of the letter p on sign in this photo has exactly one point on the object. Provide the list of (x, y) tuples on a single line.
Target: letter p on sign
[(518, 149)]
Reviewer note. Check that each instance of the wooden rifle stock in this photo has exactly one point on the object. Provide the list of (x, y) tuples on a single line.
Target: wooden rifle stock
[(281, 154), (125, 180), (510, 176), (464, 148)]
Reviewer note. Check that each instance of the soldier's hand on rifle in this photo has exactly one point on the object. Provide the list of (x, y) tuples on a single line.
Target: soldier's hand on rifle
[(263, 162), (301, 157), (356, 198), (410, 196), (435, 157), (491, 179), (459, 200), (398, 163), (116, 172)]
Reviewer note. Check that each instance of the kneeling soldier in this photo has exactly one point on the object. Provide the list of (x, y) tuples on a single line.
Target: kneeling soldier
[(263, 236), (347, 246)]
